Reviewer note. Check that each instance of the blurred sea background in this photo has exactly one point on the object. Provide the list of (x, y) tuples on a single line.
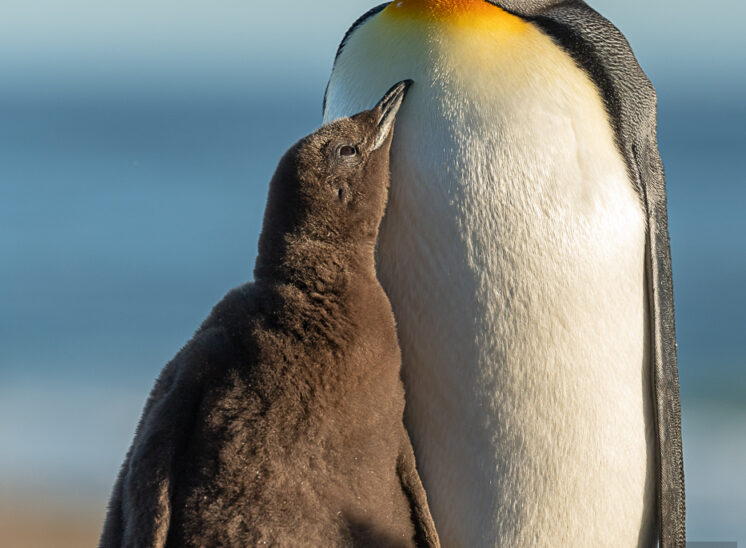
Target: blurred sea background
[(136, 145)]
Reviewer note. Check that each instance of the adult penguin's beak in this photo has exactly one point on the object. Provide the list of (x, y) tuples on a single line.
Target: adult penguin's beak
[(387, 108)]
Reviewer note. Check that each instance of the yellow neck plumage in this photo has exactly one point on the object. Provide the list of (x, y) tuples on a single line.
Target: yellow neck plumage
[(459, 13)]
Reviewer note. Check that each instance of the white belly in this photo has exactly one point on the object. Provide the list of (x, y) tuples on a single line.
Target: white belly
[(513, 254)]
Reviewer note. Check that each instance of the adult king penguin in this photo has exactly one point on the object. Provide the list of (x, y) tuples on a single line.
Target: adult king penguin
[(525, 252)]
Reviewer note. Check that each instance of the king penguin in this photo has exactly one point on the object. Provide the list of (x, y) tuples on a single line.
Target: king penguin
[(525, 251)]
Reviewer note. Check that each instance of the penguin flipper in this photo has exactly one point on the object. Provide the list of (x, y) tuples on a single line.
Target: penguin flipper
[(113, 531), (425, 533), (140, 508), (665, 373)]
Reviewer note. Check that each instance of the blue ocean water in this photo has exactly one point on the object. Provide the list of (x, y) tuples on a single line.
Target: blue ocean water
[(123, 221)]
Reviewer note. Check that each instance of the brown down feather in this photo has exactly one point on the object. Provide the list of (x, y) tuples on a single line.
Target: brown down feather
[(280, 422)]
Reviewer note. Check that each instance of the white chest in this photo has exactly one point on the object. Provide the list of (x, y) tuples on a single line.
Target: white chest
[(513, 254)]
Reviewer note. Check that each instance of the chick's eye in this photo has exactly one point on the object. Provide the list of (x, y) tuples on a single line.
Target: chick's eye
[(347, 150)]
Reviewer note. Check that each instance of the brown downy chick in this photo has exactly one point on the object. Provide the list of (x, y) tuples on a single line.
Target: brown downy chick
[(280, 422)]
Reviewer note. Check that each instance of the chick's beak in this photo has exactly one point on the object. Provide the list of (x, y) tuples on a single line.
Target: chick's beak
[(387, 108)]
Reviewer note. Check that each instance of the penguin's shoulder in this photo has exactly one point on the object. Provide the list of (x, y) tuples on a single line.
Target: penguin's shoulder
[(222, 342), (600, 49), (358, 23), (237, 309)]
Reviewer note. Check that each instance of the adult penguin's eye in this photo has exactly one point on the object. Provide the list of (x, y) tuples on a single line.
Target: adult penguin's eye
[(347, 150)]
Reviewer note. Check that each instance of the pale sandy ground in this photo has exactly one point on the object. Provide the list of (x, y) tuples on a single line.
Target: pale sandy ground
[(38, 523)]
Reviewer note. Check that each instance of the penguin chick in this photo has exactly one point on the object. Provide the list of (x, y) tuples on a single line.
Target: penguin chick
[(280, 422)]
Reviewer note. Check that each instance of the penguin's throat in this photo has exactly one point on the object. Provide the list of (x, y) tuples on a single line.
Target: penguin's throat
[(322, 267), (470, 13)]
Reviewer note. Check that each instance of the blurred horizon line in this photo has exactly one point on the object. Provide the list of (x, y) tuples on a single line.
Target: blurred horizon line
[(190, 87)]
